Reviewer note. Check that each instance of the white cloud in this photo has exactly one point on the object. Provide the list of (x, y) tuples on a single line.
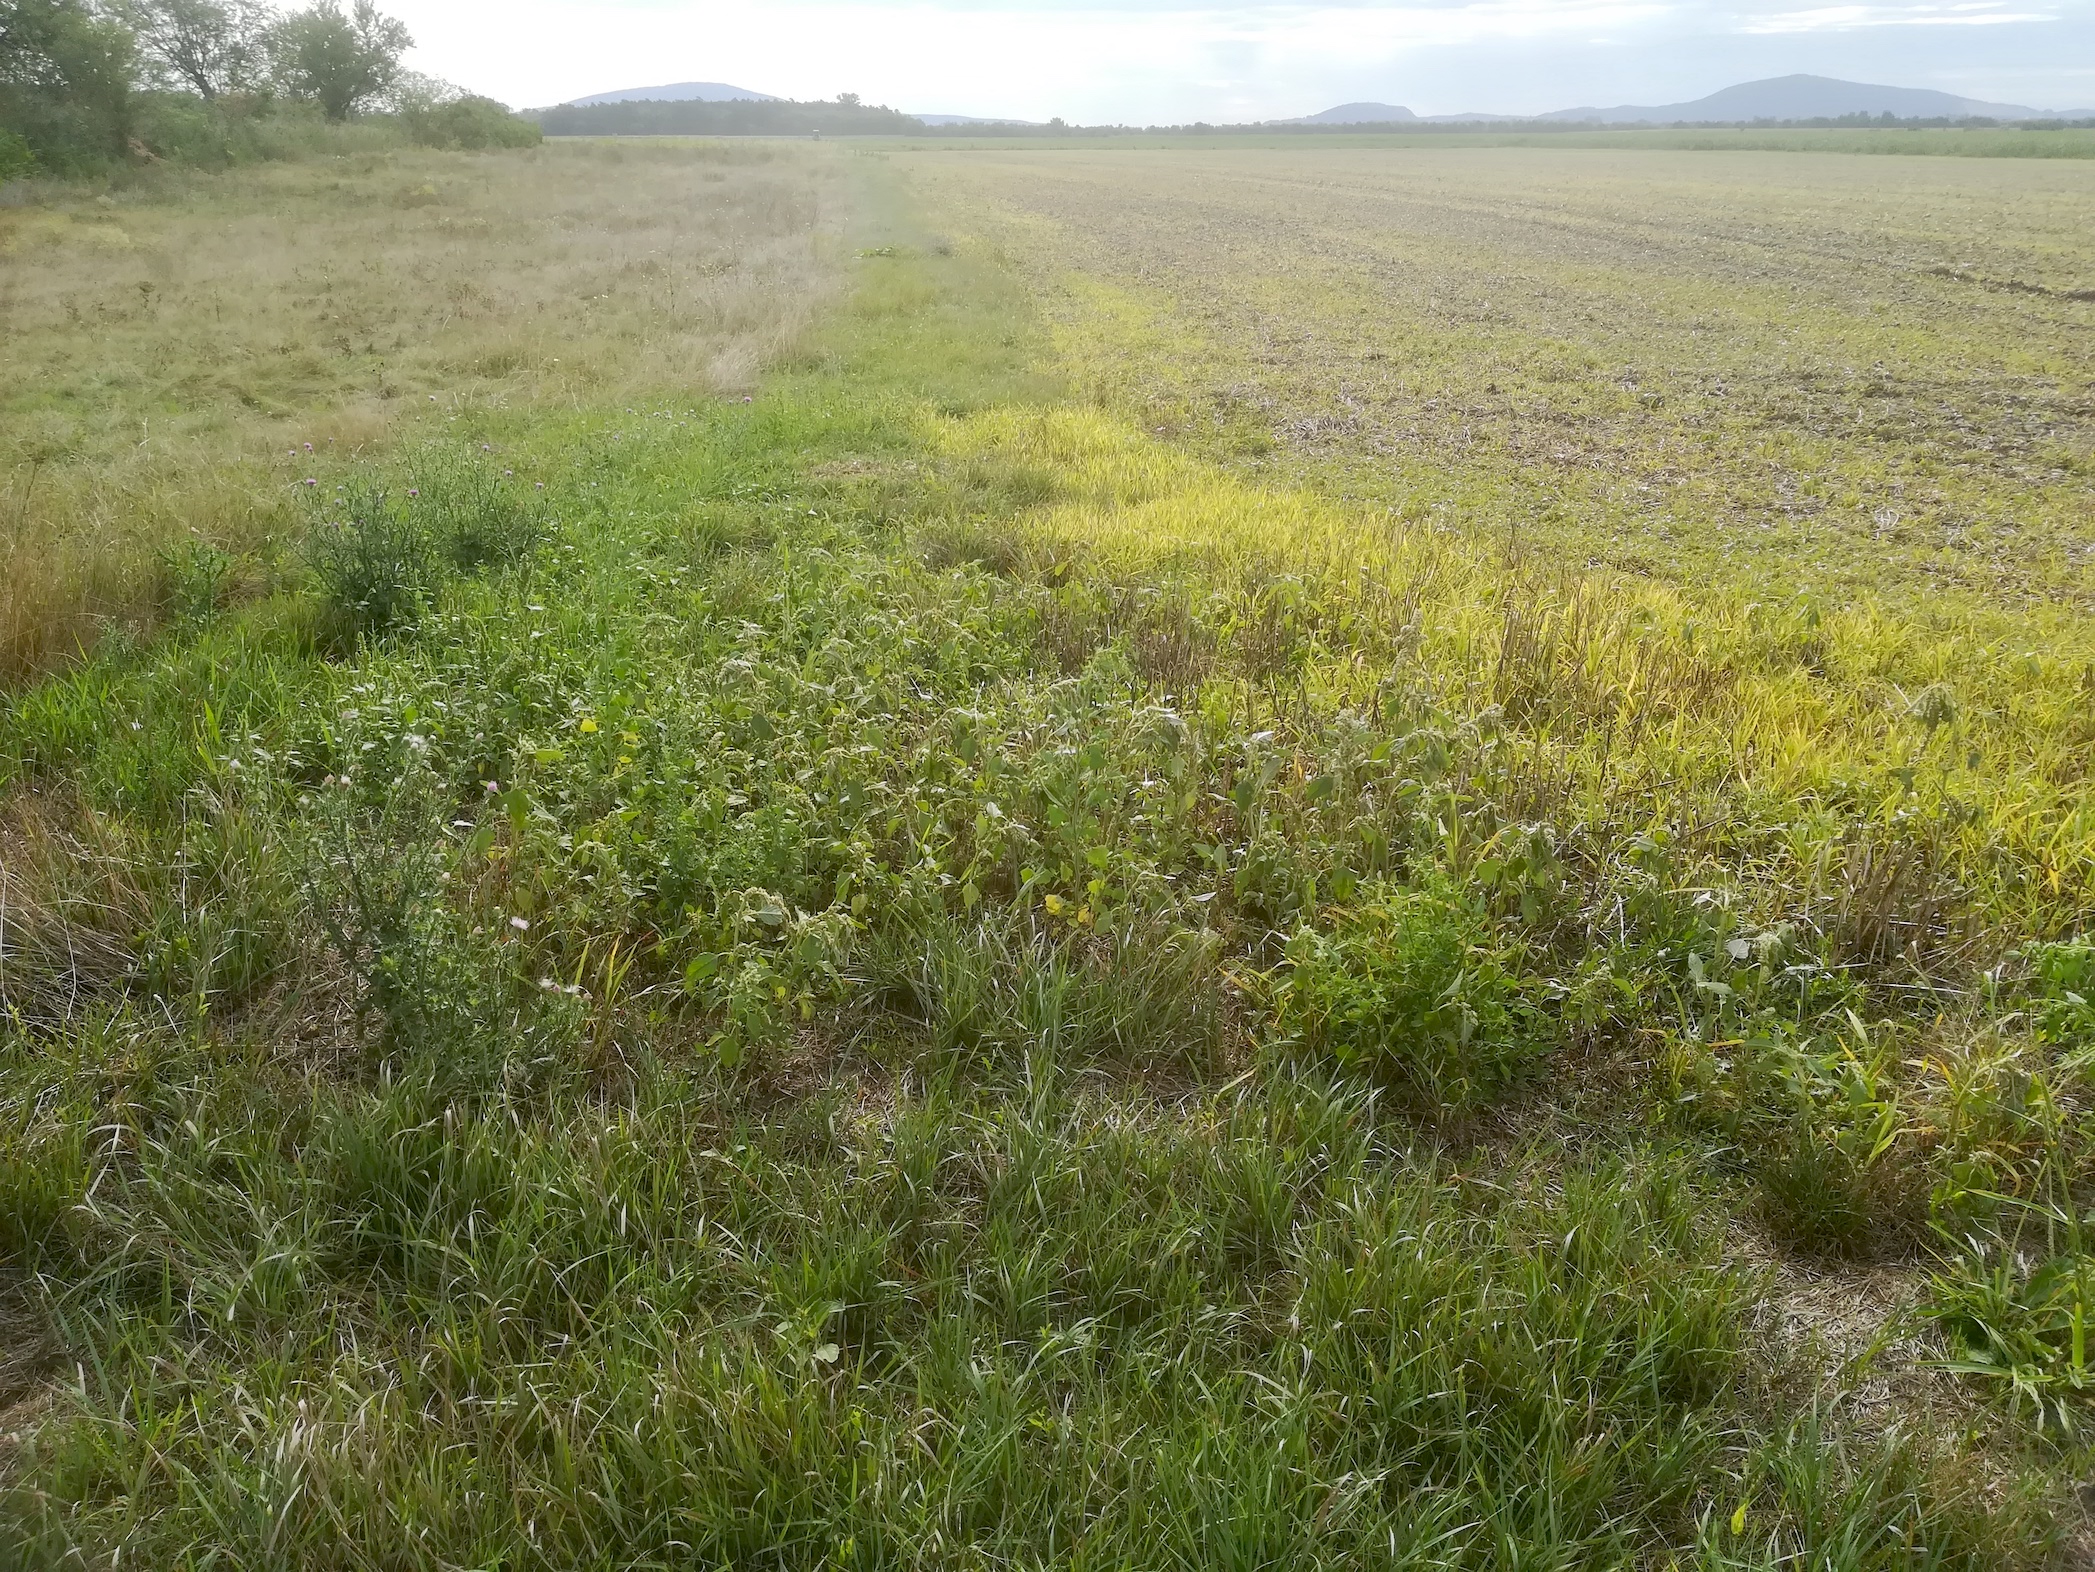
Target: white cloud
[(1111, 62), (1846, 18), (1149, 61)]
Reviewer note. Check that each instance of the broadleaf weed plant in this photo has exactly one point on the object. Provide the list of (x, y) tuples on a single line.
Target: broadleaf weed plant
[(375, 557), (382, 553)]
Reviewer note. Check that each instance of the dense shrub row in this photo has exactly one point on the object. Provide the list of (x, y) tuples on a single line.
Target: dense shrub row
[(87, 86), (734, 117)]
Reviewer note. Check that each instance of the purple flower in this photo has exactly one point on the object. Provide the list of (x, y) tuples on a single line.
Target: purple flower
[(310, 481), (412, 492)]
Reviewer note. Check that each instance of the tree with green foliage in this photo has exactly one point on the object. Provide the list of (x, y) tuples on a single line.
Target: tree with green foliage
[(468, 121), (88, 85), (68, 71), (436, 113), (16, 160), (730, 117), (341, 60), (214, 47)]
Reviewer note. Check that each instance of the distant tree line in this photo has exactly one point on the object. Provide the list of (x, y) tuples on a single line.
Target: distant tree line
[(86, 85), (1430, 128), (844, 116)]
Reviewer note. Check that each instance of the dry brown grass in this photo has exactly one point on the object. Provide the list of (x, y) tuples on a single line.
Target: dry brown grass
[(26, 1354), (71, 906), (164, 353)]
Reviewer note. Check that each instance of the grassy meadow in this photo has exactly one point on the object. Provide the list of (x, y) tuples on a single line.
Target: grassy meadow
[(1021, 857), (175, 347)]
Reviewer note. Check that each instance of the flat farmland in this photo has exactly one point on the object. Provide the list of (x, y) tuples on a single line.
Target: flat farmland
[(1812, 373), (1159, 857)]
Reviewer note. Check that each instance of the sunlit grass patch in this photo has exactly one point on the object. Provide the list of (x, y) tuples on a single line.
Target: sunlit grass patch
[(1629, 687)]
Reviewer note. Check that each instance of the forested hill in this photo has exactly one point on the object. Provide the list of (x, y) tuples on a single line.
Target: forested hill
[(741, 117)]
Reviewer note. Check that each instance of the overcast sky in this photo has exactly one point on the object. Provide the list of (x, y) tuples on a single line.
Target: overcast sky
[(1154, 62)]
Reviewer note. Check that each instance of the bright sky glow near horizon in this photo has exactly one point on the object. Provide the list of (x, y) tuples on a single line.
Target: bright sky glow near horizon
[(1154, 62)]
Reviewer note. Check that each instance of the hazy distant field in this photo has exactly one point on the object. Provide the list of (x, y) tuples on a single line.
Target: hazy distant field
[(1016, 857), (1822, 373), (1945, 142)]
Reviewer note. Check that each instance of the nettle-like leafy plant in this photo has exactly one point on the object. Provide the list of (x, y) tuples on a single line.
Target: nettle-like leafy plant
[(1408, 987)]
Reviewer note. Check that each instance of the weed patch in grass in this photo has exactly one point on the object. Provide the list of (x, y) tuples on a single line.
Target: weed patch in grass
[(1408, 990)]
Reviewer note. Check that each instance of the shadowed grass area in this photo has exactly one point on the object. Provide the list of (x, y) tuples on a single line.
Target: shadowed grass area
[(906, 973)]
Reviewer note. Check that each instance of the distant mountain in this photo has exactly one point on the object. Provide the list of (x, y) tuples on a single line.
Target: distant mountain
[(1355, 115), (1777, 98), (676, 93), (1805, 98)]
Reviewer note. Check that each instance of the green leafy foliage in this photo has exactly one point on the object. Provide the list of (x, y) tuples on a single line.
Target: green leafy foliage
[(17, 159), (212, 47), (196, 573), (93, 86), (382, 553), (2065, 994), (340, 58), (2021, 1324), (1406, 987), (1835, 1120), (68, 83), (470, 123), (375, 557)]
